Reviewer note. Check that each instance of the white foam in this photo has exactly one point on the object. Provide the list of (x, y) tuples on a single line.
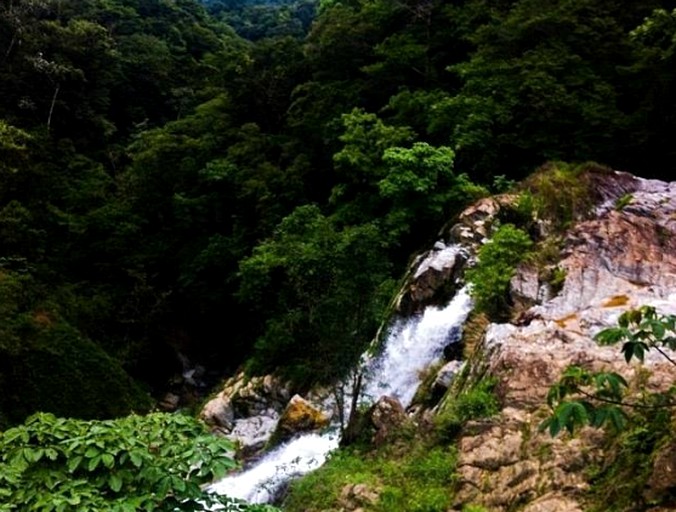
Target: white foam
[(413, 346), (262, 482)]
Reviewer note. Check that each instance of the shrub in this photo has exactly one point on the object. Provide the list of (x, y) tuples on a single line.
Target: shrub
[(496, 264), (157, 462), (559, 193)]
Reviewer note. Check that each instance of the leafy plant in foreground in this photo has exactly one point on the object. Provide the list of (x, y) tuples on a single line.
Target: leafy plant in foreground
[(157, 462), (582, 397)]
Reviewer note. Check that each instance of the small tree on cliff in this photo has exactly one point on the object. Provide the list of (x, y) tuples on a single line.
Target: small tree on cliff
[(582, 397)]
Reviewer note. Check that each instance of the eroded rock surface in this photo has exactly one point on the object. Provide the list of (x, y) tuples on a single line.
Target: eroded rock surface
[(621, 259)]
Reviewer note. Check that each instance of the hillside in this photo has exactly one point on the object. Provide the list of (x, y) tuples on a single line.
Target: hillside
[(192, 193), (473, 435)]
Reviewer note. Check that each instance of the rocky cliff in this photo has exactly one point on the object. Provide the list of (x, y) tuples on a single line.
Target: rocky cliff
[(622, 257)]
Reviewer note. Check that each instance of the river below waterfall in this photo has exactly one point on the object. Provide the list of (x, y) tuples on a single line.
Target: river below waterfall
[(411, 346)]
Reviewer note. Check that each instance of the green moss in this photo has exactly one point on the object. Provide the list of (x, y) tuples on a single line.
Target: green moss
[(623, 201)]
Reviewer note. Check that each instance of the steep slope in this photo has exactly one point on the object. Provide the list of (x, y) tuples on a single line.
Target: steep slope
[(620, 258)]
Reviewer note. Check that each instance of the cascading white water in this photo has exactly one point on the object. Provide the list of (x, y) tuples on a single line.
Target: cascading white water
[(262, 482), (410, 347)]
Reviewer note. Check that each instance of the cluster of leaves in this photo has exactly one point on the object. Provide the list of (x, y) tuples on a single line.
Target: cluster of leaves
[(497, 261), (584, 397), (157, 462)]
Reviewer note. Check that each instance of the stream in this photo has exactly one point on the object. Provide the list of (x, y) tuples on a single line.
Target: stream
[(411, 345)]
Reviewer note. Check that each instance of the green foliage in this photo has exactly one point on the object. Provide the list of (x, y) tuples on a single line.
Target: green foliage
[(533, 86), (582, 397), (557, 277), (642, 330), (47, 364), (602, 392), (332, 288), (623, 201), (619, 481), (496, 263), (154, 462), (476, 402), (473, 508), (557, 192), (421, 187), (412, 478)]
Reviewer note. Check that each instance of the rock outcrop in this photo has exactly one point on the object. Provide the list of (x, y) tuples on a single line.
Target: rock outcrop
[(618, 260), (247, 410), (300, 416), (386, 415)]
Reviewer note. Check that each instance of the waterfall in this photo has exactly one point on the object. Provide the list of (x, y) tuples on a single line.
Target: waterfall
[(412, 344)]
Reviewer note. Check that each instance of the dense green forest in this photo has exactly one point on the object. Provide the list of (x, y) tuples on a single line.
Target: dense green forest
[(244, 182)]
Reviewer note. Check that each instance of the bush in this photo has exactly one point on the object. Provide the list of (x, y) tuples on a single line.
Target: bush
[(559, 193), (157, 462), (496, 264)]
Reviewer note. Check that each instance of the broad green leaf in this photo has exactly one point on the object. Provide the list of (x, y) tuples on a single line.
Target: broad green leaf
[(115, 482), (93, 463), (136, 459), (74, 463), (108, 460)]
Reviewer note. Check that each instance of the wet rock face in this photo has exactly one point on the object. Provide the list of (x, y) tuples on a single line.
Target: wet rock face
[(620, 259), (439, 270), (436, 280)]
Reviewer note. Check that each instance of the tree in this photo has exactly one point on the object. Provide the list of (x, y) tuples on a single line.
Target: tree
[(419, 187), (651, 91), (157, 462), (541, 85), (583, 397), (321, 291)]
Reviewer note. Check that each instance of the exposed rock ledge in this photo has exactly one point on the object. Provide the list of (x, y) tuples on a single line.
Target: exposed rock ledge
[(618, 260)]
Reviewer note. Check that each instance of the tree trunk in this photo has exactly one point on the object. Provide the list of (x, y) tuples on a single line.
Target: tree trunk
[(51, 107)]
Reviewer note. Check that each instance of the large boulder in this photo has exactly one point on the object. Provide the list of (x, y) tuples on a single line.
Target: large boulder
[(218, 414), (247, 410), (386, 416), (436, 278), (252, 434), (299, 416)]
